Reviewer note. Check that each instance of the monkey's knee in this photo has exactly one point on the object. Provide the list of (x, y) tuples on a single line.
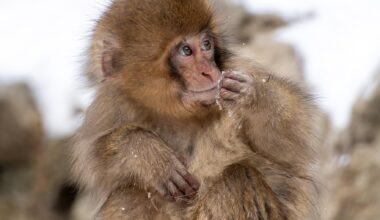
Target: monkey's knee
[(127, 204), (239, 194)]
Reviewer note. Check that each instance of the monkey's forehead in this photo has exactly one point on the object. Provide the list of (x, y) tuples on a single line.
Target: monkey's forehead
[(141, 19)]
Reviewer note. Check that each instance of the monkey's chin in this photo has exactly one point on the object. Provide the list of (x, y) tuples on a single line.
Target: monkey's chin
[(205, 99), (207, 103)]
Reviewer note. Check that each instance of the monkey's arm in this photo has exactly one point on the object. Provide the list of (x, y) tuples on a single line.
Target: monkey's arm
[(277, 119), (277, 115), (132, 156)]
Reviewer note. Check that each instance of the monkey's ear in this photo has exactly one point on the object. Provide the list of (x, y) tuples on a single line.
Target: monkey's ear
[(110, 59)]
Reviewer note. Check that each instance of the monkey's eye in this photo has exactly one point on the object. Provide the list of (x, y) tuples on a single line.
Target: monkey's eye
[(185, 51), (206, 45)]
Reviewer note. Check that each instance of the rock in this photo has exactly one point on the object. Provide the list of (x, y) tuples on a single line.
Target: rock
[(15, 186), (355, 182), (41, 190), (254, 38), (21, 125), (34, 170), (53, 194), (280, 58), (356, 190), (244, 26), (21, 138), (364, 126)]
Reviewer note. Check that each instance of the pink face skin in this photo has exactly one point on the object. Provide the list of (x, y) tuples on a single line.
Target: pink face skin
[(194, 60)]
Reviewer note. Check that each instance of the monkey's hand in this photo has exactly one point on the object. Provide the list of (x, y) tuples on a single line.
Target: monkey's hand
[(137, 156), (170, 177), (236, 87)]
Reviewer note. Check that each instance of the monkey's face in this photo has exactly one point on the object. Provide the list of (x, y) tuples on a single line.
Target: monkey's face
[(136, 47), (193, 63)]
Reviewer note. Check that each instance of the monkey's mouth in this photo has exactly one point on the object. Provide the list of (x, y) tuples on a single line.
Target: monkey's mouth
[(204, 97), (205, 90)]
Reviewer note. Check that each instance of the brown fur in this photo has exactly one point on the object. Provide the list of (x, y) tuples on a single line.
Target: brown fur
[(253, 162)]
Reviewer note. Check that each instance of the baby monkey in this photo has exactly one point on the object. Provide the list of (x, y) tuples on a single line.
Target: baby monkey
[(154, 143)]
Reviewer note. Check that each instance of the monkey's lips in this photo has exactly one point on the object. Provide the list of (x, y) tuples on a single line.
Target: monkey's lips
[(204, 90)]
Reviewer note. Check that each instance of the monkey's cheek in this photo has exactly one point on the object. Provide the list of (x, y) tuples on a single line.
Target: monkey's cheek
[(188, 101)]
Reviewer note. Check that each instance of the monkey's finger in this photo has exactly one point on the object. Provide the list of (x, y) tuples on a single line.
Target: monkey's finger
[(192, 181), (173, 190), (179, 165), (169, 198), (182, 159), (182, 185), (181, 169), (238, 76), (228, 95), (163, 190), (232, 85)]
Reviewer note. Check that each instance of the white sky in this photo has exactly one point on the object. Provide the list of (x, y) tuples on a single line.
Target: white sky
[(42, 41)]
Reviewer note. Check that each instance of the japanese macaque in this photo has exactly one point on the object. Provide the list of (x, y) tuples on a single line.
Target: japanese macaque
[(182, 128)]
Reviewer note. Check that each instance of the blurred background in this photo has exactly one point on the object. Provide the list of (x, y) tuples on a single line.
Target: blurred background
[(330, 46)]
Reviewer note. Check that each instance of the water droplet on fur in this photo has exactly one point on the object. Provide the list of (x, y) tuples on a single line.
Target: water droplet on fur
[(217, 97), (218, 103), (230, 114)]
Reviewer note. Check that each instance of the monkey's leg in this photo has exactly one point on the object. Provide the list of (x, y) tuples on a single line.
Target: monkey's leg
[(129, 203), (239, 194)]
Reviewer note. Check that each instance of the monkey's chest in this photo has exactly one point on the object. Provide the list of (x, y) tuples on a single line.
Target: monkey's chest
[(217, 148)]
